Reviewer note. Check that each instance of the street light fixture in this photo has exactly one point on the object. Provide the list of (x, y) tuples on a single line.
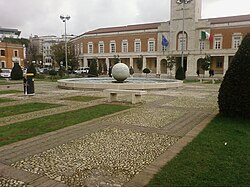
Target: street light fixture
[(183, 2), (64, 19)]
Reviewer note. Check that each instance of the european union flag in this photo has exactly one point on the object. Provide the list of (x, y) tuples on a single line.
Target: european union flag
[(164, 41)]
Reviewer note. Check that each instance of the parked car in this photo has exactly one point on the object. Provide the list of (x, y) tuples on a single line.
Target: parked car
[(6, 73), (82, 70)]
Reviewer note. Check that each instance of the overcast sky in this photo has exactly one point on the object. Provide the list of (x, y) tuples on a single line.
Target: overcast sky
[(41, 17)]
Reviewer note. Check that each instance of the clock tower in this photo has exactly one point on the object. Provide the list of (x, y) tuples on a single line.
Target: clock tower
[(184, 17)]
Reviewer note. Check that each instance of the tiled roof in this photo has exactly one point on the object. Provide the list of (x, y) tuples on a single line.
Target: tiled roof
[(125, 28), (229, 19)]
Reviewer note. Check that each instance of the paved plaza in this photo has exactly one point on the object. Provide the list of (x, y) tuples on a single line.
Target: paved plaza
[(123, 149)]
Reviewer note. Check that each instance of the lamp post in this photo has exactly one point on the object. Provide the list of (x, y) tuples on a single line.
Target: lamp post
[(64, 19), (183, 2)]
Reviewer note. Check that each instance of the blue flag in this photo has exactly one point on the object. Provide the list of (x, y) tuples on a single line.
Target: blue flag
[(164, 41)]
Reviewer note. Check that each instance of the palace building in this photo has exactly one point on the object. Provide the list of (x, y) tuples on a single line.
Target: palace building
[(186, 36)]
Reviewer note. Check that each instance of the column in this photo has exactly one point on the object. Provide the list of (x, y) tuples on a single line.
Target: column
[(85, 62), (158, 65), (144, 62), (131, 62), (225, 65), (107, 63)]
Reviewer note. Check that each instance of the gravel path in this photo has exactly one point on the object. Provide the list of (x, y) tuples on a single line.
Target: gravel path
[(106, 152)]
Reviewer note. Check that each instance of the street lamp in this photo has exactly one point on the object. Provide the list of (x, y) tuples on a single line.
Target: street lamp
[(64, 19), (183, 2)]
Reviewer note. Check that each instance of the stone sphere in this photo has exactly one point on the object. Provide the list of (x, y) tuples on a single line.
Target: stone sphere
[(120, 72)]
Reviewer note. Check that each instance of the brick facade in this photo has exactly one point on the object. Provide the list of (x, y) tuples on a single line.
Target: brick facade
[(10, 54), (227, 34)]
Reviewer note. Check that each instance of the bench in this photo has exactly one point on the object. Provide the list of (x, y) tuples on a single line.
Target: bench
[(136, 94), (208, 79)]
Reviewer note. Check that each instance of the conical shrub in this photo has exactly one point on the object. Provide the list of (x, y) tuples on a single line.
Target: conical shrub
[(234, 93), (16, 72), (180, 74)]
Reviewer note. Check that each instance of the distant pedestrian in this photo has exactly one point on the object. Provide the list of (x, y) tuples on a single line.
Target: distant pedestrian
[(210, 73), (131, 71)]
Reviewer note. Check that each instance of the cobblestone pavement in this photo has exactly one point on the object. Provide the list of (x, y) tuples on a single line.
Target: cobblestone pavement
[(122, 149)]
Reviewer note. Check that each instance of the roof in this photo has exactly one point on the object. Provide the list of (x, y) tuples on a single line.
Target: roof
[(7, 30), (229, 19), (146, 26)]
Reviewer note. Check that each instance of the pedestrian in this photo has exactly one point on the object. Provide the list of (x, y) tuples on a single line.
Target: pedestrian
[(131, 71)]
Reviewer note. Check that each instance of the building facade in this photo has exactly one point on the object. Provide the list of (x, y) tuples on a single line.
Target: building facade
[(9, 33), (184, 38), (43, 46), (10, 54)]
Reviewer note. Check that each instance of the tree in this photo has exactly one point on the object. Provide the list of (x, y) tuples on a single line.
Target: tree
[(234, 92), (17, 72), (93, 68), (146, 70), (116, 59), (205, 63), (58, 53), (170, 63), (180, 74)]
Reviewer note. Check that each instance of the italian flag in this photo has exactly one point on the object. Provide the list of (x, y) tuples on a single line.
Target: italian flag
[(206, 36)]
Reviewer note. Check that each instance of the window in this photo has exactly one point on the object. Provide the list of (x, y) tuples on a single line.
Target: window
[(112, 47), (217, 42), (75, 50), (101, 47), (182, 41), (125, 46), (2, 65), (236, 42), (151, 46), (137, 45), (219, 64), (202, 44), (78, 49), (15, 53), (90, 47), (81, 48), (2, 52)]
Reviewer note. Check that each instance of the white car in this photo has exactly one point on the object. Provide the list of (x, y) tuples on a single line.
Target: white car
[(6, 73), (81, 70)]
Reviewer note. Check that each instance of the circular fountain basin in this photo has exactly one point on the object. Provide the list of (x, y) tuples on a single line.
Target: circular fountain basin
[(102, 83)]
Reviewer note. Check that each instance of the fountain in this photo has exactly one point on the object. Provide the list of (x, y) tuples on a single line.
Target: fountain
[(120, 80)]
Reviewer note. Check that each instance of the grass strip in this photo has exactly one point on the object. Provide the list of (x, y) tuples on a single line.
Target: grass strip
[(218, 156), (5, 100), (27, 129), (9, 91), (82, 98), (25, 108)]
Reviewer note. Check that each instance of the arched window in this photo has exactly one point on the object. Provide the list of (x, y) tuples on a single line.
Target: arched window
[(182, 41)]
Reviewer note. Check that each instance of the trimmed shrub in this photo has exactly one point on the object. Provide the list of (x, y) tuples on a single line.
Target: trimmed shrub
[(234, 92), (146, 70), (31, 69), (17, 72), (180, 74)]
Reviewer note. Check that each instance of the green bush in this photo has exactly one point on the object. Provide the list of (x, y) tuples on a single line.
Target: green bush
[(17, 72), (93, 68), (234, 93), (146, 70), (31, 69), (180, 74), (53, 72)]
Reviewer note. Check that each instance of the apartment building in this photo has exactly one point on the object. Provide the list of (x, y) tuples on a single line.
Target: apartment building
[(10, 54), (183, 35)]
